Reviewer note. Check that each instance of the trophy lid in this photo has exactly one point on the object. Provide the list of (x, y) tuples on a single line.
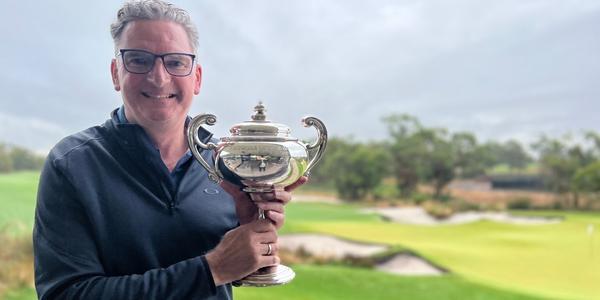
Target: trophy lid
[(259, 126)]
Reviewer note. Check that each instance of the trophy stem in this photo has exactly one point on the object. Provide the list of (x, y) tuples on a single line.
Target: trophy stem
[(267, 276)]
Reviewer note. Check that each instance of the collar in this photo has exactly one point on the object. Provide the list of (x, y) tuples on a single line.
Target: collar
[(133, 136)]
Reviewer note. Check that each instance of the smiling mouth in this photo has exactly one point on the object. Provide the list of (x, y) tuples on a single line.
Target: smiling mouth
[(166, 96)]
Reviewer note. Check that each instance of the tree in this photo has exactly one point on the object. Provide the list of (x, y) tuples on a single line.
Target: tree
[(438, 161), (323, 173), (358, 170), (354, 169), (23, 159), (429, 154), (587, 179), (514, 155), (471, 159), (510, 153), (5, 161), (405, 149), (560, 163)]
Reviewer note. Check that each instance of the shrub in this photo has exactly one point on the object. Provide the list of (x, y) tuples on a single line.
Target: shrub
[(438, 210), (419, 198), (385, 191), (462, 205), (16, 259), (520, 203)]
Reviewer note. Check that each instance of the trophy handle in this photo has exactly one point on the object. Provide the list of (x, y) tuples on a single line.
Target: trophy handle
[(194, 143), (320, 144)]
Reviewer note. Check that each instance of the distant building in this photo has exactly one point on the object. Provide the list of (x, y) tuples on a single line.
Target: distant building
[(517, 181)]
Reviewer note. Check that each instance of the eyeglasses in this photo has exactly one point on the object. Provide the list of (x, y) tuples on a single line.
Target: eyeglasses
[(142, 62)]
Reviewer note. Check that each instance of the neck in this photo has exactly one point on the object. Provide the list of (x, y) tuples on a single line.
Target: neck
[(170, 140)]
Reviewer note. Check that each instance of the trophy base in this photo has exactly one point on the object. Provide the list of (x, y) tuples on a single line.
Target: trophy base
[(268, 276)]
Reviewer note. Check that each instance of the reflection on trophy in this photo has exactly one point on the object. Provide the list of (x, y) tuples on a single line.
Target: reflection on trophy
[(261, 156)]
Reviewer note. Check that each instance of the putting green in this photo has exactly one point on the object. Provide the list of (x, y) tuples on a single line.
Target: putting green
[(555, 260)]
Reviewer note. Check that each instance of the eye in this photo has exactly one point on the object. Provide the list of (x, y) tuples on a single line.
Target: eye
[(178, 61), (138, 61), (175, 63)]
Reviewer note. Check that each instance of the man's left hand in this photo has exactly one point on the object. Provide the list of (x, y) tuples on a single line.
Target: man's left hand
[(272, 203)]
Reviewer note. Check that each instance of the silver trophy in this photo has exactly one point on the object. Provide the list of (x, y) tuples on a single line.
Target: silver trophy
[(260, 156)]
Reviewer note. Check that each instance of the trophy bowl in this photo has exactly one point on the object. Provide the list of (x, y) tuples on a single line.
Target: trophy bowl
[(260, 156)]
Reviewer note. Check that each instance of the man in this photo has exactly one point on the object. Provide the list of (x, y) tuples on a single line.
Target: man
[(124, 211)]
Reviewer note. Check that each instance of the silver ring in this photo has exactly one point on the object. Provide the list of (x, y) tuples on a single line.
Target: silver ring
[(269, 250)]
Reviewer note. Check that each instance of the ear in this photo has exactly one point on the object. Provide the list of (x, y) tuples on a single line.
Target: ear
[(114, 72), (197, 79)]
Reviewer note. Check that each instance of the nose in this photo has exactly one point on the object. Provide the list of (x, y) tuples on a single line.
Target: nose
[(158, 75)]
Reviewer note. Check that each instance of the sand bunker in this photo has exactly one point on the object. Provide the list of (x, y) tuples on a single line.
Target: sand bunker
[(418, 216), (332, 247), (327, 246), (406, 264)]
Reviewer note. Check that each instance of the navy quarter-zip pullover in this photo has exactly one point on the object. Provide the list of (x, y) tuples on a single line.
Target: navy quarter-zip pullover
[(110, 223)]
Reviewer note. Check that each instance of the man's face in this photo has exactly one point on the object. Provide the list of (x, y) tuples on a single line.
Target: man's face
[(156, 98)]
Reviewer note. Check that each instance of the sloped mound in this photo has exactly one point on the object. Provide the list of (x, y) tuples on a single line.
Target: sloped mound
[(328, 246), (418, 216), (332, 247), (408, 264)]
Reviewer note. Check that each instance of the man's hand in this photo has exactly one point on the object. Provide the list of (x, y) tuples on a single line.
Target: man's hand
[(243, 250), (272, 203)]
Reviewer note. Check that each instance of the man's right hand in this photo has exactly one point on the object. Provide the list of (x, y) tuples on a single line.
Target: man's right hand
[(242, 251)]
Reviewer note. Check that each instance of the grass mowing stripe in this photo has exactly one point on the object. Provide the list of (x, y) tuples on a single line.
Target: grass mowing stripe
[(548, 260), (337, 282)]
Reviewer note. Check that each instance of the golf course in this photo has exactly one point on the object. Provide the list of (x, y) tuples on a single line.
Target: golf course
[(484, 259)]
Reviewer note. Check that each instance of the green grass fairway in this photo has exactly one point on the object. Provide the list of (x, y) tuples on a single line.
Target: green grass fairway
[(335, 282), (25, 293), (557, 260), (17, 200), (488, 260)]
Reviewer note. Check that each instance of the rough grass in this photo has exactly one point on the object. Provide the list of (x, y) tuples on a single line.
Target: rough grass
[(17, 202), (16, 261)]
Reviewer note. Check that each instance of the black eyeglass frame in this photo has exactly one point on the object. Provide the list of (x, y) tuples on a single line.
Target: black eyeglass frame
[(161, 56)]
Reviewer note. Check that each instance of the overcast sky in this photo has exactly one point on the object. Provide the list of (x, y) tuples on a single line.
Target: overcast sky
[(500, 69)]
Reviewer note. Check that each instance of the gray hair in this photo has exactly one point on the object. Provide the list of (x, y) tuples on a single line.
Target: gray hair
[(153, 10)]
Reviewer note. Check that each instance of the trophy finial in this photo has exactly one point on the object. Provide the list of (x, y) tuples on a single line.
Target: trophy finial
[(260, 112)]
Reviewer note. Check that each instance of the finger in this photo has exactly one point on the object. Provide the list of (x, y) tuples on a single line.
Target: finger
[(265, 225), (270, 249), (283, 196), (262, 197), (261, 239), (271, 260), (277, 218), (276, 206), (302, 180), (266, 237)]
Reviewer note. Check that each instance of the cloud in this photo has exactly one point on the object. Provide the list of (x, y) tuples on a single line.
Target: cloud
[(498, 69), (33, 133)]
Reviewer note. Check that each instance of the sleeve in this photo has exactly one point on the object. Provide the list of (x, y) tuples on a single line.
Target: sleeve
[(67, 265)]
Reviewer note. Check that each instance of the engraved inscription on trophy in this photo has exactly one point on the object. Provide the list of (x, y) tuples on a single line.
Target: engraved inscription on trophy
[(254, 162)]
